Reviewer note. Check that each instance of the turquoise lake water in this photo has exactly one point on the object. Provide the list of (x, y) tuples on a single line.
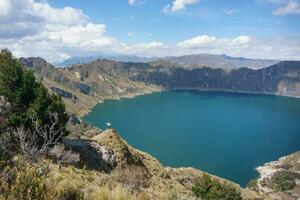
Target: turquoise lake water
[(226, 134)]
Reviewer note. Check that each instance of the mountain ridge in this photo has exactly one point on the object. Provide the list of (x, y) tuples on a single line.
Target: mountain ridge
[(187, 61), (105, 79)]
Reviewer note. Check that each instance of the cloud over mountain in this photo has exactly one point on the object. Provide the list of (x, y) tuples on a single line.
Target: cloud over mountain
[(31, 28)]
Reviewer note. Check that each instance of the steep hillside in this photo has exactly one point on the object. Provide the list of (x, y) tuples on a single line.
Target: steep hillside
[(84, 85), (281, 79)]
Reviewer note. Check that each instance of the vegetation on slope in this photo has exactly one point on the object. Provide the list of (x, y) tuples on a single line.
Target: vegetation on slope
[(210, 189), (279, 179), (27, 99)]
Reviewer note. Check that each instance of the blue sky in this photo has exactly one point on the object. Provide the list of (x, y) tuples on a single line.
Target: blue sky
[(226, 19), (59, 29)]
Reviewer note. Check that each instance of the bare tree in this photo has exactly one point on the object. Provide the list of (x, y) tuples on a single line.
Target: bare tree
[(34, 144), (63, 156), (26, 143), (50, 134)]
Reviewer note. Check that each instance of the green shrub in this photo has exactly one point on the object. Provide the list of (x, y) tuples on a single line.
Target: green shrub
[(253, 185), (210, 189), (70, 193), (27, 98), (23, 182), (284, 180)]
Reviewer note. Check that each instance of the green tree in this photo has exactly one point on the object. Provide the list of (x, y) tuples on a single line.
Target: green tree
[(16, 84), (27, 97), (43, 105)]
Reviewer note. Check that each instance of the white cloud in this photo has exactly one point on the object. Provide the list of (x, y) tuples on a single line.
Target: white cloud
[(242, 46), (240, 41), (66, 16), (205, 41), (198, 42), (135, 2), (292, 7), (179, 5), (90, 36), (29, 28), (150, 45), (131, 34), (19, 18), (229, 12)]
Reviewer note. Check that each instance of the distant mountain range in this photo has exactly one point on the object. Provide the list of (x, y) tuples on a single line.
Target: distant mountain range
[(88, 59), (186, 61), (219, 61)]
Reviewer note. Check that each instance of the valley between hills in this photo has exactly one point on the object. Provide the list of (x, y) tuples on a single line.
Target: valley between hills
[(82, 86)]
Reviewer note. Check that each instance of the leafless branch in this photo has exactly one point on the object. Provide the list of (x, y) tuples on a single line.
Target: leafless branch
[(63, 156), (34, 144)]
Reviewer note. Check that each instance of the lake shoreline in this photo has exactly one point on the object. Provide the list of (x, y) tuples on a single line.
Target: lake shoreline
[(172, 95), (133, 95)]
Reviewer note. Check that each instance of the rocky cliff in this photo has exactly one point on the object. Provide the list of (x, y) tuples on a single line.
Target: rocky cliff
[(84, 85)]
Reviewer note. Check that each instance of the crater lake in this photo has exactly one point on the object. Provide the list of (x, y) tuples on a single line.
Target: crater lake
[(225, 134)]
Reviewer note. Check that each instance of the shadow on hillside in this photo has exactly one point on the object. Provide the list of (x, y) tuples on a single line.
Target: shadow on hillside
[(92, 155)]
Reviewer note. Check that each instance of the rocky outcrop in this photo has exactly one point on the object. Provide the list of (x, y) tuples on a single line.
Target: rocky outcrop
[(282, 78), (125, 154), (92, 155), (279, 179), (119, 163), (64, 93)]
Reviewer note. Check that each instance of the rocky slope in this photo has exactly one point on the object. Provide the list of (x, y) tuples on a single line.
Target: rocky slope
[(280, 79), (117, 163), (279, 179), (84, 85)]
